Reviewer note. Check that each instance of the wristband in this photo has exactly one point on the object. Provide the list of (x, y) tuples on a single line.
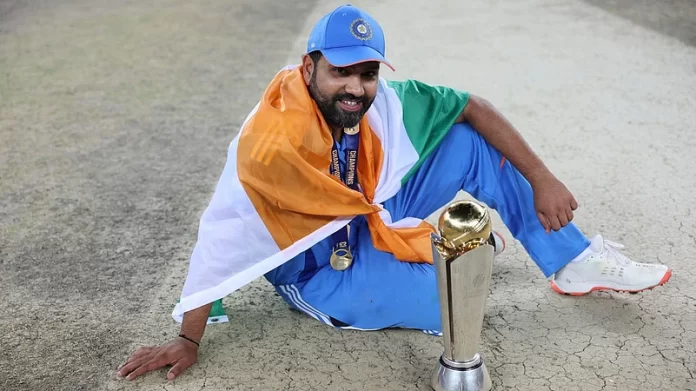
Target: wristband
[(189, 339)]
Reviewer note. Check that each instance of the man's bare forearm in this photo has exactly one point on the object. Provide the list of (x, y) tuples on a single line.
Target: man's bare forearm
[(195, 321), (502, 135)]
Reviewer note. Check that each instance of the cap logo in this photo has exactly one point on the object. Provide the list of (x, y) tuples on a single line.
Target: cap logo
[(361, 30)]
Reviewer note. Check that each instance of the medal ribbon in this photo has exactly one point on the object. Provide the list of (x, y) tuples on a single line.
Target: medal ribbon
[(352, 142)]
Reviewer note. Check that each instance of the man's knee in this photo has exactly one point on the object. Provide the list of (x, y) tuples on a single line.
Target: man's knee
[(463, 134), (468, 140), (462, 127)]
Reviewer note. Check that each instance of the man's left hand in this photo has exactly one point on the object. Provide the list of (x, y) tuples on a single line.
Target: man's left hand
[(553, 202)]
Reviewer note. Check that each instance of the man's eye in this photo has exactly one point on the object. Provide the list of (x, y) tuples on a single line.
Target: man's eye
[(341, 71)]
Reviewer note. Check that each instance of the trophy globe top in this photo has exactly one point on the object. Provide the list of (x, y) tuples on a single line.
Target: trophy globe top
[(465, 224)]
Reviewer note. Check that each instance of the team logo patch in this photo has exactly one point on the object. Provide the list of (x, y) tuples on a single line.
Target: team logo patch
[(361, 30)]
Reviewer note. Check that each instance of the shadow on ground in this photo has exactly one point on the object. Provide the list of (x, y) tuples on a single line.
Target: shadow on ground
[(674, 18)]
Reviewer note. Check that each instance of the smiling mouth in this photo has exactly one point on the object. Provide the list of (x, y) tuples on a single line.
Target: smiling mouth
[(350, 105)]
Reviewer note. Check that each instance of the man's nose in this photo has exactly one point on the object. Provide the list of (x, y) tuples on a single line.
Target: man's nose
[(354, 86)]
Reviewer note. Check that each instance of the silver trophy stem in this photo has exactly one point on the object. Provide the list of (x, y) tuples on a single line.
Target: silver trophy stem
[(463, 285)]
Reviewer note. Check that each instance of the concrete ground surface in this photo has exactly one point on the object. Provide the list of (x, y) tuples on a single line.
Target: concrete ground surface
[(114, 122)]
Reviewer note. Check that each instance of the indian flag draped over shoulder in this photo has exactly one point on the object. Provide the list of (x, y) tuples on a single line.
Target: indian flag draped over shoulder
[(276, 197)]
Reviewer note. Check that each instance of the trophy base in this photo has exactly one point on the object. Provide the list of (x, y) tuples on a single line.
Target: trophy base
[(448, 377)]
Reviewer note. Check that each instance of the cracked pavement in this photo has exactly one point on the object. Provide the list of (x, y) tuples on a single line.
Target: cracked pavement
[(114, 123)]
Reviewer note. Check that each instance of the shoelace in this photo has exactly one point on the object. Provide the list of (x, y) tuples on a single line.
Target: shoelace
[(613, 249)]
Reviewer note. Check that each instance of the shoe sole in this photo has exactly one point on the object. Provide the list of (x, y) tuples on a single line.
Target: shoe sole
[(502, 240), (663, 281)]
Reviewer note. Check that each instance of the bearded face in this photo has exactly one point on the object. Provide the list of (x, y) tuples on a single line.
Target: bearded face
[(343, 94)]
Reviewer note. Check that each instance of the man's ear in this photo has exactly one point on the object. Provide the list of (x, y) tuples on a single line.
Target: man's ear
[(307, 68)]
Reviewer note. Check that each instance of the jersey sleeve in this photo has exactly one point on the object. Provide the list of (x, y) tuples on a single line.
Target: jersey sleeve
[(429, 111)]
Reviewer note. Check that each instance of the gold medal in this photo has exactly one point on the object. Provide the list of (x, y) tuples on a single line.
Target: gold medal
[(351, 131), (341, 259)]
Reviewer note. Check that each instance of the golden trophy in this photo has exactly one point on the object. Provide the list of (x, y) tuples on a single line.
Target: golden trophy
[(463, 258)]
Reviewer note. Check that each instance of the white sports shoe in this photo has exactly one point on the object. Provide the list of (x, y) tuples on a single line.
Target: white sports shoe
[(608, 269), (498, 242)]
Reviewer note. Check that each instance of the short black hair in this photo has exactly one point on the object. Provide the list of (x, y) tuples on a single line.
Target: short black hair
[(315, 56)]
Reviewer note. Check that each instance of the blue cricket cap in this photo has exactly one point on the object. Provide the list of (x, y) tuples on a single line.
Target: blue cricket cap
[(347, 36)]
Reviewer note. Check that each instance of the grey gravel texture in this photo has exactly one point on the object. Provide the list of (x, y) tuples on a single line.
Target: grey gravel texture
[(114, 123)]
